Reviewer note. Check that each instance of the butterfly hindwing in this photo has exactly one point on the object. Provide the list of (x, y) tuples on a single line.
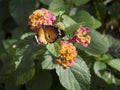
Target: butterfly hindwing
[(48, 34)]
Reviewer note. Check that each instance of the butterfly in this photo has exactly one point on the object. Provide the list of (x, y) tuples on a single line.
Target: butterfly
[(48, 34)]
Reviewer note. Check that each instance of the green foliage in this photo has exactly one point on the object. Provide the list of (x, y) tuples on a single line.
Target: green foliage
[(27, 66), (75, 77), (20, 10)]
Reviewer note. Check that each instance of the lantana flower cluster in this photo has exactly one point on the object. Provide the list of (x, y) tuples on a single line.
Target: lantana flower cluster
[(81, 36), (67, 55), (68, 52), (41, 16)]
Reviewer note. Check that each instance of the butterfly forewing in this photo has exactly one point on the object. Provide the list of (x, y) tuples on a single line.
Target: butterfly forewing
[(51, 34)]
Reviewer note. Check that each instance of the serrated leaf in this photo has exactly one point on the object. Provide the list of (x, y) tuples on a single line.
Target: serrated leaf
[(76, 77), (20, 10), (114, 63), (49, 61)]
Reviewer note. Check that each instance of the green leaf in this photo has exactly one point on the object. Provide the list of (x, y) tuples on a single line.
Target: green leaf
[(96, 23), (17, 32), (20, 10), (84, 18), (25, 69), (58, 5), (113, 41), (114, 48), (101, 11), (114, 63), (10, 46), (99, 43), (49, 61), (67, 21), (78, 2), (76, 77), (101, 71), (24, 73), (26, 35), (54, 48)]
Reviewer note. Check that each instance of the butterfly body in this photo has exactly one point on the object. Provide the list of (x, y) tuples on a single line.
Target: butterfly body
[(48, 34)]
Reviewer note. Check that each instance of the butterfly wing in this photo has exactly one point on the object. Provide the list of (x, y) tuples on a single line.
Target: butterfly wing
[(48, 34), (40, 39)]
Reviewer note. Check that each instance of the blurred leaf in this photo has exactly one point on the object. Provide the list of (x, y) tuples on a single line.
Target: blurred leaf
[(24, 65), (17, 32), (4, 10), (99, 43), (96, 23), (101, 71), (67, 21), (78, 2), (10, 46), (113, 41), (25, 70), (114, 48), (26, 35), (83, 17), (54, 48), (46, 2), (101, 11), (11, 86), (114, 11), (76, 77), (2, 34), (41, 81), (58, 5), (20, 10), (6, 67), (114, 63), (49, 62)]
